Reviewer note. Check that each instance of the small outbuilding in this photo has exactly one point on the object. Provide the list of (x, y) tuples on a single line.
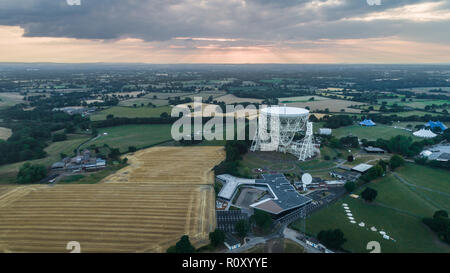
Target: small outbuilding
[(325, 131), (374, 150), (58, 165), (231, 242), (362, 168)]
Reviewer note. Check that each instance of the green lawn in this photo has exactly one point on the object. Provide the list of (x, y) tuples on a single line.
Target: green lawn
[(431, 178), (144, 100), (417, 113), (139, 136), (371, 133), (395, 194), (131, 112), (408, 231), (398, 210)]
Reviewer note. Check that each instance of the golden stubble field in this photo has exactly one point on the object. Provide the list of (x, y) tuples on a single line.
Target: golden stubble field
[(164, 193)]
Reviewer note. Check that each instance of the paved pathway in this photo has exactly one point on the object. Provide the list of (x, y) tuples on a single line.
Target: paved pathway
[(294, 235)]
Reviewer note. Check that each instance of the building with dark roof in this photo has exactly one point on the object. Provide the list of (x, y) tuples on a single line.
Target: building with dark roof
[(231, 242), (443, 157), (283, 196)]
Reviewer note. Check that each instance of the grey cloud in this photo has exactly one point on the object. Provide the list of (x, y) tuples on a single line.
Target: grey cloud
[(256, 20)]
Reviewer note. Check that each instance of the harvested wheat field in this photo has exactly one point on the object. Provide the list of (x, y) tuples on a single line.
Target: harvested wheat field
[(5, 133), (146, 207)]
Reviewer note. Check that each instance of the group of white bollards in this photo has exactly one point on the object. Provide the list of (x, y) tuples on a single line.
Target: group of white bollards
[(362, 224)]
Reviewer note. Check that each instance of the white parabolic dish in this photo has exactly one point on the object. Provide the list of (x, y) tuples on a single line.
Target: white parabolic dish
[(283, 111), (306, 179)]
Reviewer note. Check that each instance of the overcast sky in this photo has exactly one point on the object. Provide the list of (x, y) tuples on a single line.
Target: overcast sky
[(225, 31)]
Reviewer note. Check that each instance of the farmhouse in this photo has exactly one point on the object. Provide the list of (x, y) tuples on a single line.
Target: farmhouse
[(80, 162)]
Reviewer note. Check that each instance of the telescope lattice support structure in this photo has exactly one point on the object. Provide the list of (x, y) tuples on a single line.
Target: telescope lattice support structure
[(277, 128)]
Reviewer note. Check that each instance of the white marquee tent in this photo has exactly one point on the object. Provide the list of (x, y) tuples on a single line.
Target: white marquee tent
[(424, 133)]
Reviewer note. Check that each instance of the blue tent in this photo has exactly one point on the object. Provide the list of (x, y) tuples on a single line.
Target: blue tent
[(367, 122), (433, 125)]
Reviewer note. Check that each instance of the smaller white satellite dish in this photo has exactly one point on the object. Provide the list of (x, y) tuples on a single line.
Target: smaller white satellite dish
[(306, 179)]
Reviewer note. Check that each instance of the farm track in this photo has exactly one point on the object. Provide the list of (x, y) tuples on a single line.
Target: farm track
[(164, 193)]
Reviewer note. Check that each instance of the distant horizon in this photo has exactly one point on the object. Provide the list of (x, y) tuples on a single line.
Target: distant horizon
[(143, 63)]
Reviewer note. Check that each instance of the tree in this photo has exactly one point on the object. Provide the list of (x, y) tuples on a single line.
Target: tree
[(400, 144), (396, 161), (350, 158), (132, 149), (440, 213), (70, 128), (114, 153), (262, 219), (369, 194), (242, 227), (440, 223), (184, 245), (333, 239), (31, 173), (59, 137), (217, 237), (349, 141), (373, 173), (350, 186), (383, 164)]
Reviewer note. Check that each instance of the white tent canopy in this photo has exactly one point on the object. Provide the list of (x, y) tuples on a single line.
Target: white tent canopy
[(424, 133)]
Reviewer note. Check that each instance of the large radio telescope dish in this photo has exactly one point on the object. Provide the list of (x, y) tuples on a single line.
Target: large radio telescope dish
[(306, 179), (277, 127)]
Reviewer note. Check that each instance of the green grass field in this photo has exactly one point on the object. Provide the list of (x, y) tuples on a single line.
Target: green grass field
[(131, 112), (417, 113), (398, 210), (371, 133), (434, 180), (139, 136)]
